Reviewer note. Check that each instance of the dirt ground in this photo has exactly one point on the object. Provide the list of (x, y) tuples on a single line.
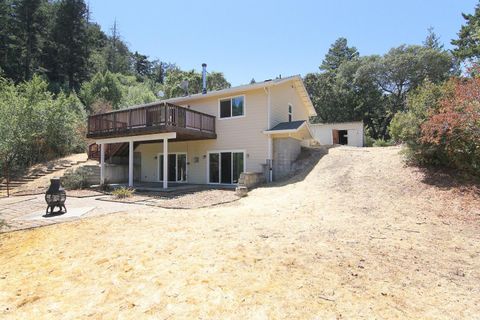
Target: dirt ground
[(191, 200), (360, 236)]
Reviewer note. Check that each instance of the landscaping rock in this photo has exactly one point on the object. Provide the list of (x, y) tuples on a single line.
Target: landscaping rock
[(241, 191)]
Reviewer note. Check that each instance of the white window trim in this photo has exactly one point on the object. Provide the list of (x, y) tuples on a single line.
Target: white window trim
[(220, 165), (176, 166), (231, 111), (290, 113)]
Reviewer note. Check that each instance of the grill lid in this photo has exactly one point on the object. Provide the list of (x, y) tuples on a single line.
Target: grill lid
[(55, 186)]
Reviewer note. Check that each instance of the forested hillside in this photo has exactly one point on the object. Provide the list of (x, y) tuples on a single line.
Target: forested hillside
[(57, 66)]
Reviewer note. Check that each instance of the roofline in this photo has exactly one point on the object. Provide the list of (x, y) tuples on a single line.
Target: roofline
[(336, 123), (305, 123), (286, 130), (247, 87), (241, 88)]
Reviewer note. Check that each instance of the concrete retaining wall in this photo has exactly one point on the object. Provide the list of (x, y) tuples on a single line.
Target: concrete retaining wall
[(285, 152), (116, 173)]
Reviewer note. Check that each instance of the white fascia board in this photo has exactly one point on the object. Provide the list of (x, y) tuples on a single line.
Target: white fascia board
[(302, 91), (145, 137)]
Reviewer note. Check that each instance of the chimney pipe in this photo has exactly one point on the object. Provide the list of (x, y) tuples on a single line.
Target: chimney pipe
[(204, 78)]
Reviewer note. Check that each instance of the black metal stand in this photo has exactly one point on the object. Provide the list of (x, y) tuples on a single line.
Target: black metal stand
[(52, 209)]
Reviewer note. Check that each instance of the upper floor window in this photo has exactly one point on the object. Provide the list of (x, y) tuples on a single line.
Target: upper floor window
[(290, 112), (232, 107)]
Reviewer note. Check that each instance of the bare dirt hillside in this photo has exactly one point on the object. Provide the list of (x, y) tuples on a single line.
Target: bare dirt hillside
[(360, 236)]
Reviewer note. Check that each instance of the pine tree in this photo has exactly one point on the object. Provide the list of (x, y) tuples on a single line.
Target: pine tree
[(141, 65), (70, 39), (468, 42), (432, 40), (118, 57), (30, 21), (7, 55), (338, 53)]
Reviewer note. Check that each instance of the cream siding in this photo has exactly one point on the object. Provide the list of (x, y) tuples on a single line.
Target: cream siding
[(242, 133), (239, 134), (281, 96)]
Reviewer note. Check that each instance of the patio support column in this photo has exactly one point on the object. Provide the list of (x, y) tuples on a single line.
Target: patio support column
[(130, 163), (102, 163), (165, 163)]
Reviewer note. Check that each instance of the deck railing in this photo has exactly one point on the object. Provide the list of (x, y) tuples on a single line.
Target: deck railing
[(163, 114)]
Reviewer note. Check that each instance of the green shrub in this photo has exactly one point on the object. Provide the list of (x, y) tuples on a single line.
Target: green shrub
[(75, 179), (369, 141), (123, 192), (382, 143)]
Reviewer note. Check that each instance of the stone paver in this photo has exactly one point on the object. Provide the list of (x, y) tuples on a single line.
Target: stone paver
[(14, 208)]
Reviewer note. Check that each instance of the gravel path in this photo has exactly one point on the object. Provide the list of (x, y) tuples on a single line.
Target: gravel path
[(361, 236)]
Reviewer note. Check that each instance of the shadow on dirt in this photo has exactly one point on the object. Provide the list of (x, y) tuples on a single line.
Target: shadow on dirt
[(447, 179)]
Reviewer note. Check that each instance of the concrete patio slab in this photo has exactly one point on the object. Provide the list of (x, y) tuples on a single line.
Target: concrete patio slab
[(71, 213)]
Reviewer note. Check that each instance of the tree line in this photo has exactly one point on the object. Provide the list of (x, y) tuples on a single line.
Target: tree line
[(414, 94), (57, 66), (58, 41), (372, 89)]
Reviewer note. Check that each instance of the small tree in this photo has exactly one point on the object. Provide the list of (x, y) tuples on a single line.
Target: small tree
[(454, 127)]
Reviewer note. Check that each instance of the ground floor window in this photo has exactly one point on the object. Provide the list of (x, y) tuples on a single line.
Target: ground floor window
[(177, 167), (225, 167)]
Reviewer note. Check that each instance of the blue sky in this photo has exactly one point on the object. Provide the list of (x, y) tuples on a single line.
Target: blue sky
[(262, 39)]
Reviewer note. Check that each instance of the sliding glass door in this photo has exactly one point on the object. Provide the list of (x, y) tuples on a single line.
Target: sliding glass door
[(225, 167), (177, 167)]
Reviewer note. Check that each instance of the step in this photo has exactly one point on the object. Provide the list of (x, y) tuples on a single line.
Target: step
[(9, 188), (24, 179), (36, 176), (12, 183)]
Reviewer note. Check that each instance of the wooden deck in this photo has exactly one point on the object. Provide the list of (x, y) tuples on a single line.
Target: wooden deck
[(158, 118)]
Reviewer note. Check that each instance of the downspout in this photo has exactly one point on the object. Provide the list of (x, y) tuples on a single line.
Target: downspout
[(270, 141)]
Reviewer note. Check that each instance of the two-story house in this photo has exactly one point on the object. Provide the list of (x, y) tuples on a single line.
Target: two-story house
[(207, 138)]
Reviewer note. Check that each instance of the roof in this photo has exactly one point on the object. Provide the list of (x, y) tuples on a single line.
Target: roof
[(293, 125), (335, 123), (298, 84)]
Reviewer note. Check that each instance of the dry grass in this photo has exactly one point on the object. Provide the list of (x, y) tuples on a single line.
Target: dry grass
[(360, 237), (41, 184)]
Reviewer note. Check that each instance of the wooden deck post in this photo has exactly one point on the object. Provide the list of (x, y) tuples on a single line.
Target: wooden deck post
[(130, 163), (102, 163), (165, 163)]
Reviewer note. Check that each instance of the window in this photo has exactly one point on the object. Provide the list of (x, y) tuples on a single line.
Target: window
[(290, 113), (232, 107), (225, 167), (177, 167)]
